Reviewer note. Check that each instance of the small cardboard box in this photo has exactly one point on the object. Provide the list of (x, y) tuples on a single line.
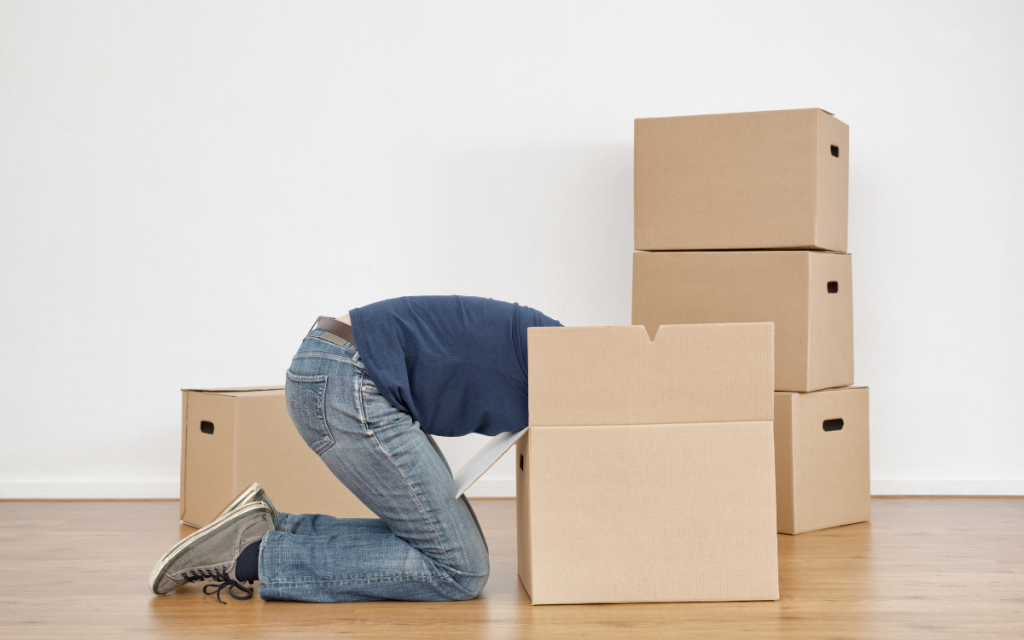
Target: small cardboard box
[(771, 179), (822, 462), (807, 294), (648, 470), (231, 438)]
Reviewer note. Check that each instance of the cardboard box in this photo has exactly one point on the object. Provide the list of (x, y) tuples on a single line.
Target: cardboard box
[(231, 438), (807, 294), (772, 179), (648, 470), (822, 461)]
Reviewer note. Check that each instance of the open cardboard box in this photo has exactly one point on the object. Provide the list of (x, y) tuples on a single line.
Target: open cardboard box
[(648, 471)]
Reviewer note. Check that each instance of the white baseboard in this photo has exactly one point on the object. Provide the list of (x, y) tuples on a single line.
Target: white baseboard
[(484, 488), (89, 490), (947, 487), (496, 488)]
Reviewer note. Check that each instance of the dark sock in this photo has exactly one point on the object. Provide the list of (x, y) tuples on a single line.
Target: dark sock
[(247, 567)]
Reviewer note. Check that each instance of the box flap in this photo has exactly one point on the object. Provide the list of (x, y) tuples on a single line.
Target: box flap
[(618, 375)]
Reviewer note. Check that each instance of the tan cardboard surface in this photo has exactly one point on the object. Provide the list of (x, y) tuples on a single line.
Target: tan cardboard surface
[(641, 511), (648, 513), (833, 184), (784, 461), (253, 440), (829, 322), (741, 181), (823, 478), (524, 547), (813, 328), (238, 391), (206, 486), (618, 375), (271, 451)]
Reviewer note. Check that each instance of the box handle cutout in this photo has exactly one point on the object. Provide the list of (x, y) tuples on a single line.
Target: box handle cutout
[(833, 287), (520, 462), (835, 424), (835, 151), (206, 427)]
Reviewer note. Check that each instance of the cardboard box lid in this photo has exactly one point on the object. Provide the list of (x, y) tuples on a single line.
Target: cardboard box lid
[(740, 181), (731, 113), (236, 391), (590, 376)]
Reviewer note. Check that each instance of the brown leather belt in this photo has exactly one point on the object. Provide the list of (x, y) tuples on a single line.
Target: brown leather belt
[(336, 329)]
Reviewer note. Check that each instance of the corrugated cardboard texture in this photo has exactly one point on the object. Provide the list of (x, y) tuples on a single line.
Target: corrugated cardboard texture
[(784, 460), (253, 440), (271, 451), (741, 181), (650, 513), (829, 322), (833, 183), (813, 328), (206, 486), (618, 375), (830, 471)]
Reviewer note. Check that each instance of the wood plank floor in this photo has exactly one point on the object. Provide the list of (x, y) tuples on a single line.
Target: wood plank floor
[(923, 568)]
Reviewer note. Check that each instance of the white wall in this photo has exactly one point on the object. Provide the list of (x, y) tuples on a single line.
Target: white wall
[(185, 186)]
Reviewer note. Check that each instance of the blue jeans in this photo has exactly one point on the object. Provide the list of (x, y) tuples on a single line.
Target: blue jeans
[(427, 545)]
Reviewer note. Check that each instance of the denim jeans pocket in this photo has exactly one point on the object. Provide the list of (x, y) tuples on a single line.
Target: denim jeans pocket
[(374, 408), (307, 409)]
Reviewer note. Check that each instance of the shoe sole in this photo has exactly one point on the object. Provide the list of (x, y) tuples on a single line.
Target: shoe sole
[(248, 494), (202, 534)]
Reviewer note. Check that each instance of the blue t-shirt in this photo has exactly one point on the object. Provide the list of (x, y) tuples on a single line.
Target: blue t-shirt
[(456, 364)]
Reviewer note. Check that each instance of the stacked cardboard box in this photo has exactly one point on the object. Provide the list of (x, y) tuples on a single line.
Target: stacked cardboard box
[(647, 474), (743, 218)]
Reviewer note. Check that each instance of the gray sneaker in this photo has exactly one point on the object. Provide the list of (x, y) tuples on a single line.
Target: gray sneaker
[(255, 493), (211, 552)]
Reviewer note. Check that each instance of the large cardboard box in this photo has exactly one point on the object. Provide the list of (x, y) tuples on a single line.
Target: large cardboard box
[(772, 179), (231, 438), (822, 461), (647, 473), (807, 294)]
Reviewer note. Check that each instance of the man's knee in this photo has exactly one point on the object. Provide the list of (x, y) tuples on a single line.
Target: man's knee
[(472, 585), (470, 573)]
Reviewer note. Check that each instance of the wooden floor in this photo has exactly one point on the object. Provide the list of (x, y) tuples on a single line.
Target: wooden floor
[(924, 568)]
